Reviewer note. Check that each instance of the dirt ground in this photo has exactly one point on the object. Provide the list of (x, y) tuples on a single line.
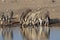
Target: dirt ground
[(53, 7)]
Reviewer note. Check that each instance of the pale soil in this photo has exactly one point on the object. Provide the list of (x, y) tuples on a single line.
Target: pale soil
[(18, 6)]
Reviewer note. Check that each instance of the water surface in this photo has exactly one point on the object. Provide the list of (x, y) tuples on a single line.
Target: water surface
[(14, 33)]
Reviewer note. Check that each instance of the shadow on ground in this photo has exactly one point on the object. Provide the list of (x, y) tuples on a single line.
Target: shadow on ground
[(54, 21)]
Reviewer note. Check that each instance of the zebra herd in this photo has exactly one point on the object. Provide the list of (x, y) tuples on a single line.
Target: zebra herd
[(32, 18)]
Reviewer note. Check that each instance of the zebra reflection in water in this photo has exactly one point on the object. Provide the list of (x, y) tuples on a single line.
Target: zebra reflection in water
[(7, 34)]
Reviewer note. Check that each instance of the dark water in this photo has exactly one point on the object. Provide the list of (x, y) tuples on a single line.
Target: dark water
[(14, 33)]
